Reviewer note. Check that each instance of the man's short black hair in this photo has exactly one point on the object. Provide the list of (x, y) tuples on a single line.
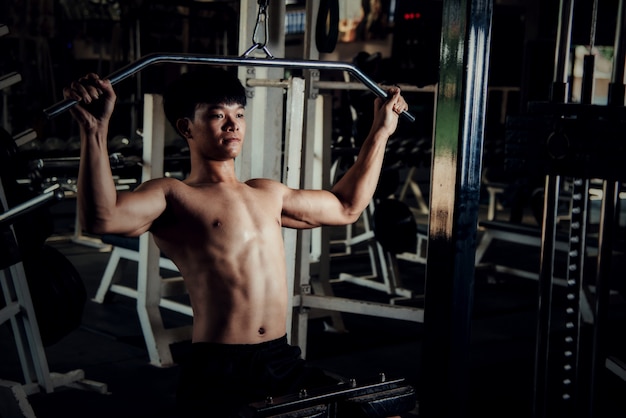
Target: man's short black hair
[(209, 85)]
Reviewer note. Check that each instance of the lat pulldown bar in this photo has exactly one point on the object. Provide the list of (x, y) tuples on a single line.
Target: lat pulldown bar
[(182, 58)]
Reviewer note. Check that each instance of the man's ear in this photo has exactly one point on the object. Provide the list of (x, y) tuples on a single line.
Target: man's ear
[(182, 125)]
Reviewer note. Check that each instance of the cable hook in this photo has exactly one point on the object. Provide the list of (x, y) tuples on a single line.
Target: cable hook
[(262, 23)]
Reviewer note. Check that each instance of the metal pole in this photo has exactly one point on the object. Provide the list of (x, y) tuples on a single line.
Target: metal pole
[(608, 219), (157, 58), (616, 87), (546, 268), (53, 193), (571, 401), (610, 192), (563, 43), (335, 85), (453, 218)]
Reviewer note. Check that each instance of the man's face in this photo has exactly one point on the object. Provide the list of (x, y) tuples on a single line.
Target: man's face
[(218, 130)]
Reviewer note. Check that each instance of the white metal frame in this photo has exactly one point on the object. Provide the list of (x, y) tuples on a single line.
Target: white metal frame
[(171, 286), (315, 250), (20, 313), (384, 276)]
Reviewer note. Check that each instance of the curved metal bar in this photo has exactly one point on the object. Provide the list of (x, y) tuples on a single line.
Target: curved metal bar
[(182, 58)]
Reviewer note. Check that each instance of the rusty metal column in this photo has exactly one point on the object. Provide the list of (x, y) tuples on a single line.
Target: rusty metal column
[(454, 203)]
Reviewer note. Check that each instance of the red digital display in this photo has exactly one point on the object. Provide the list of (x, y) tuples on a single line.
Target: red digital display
[(412, 16)]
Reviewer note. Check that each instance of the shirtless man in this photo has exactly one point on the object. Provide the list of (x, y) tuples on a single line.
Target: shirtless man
[(223, 234)]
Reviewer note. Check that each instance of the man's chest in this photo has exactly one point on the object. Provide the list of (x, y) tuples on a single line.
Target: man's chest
[(222, 209)]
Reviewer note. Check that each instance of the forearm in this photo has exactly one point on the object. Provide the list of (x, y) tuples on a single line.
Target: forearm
[(356, 188), (96, 189), (351, 195)]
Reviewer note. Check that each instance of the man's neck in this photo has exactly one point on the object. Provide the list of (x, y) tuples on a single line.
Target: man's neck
[(213, 172)]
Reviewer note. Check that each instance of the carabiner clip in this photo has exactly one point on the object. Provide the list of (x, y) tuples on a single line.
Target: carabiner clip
[(261, 23)]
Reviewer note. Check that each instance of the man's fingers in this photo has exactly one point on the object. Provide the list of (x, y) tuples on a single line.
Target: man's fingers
[(399, 105), (86, 90)]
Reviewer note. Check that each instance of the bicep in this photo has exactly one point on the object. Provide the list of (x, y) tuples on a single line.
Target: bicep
[(137, 210), (313, 208)]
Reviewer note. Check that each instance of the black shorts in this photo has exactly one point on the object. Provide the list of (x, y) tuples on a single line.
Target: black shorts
[(218, 379)]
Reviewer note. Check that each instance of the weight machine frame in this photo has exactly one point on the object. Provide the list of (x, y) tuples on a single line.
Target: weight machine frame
[(565, 131), (20, 312)]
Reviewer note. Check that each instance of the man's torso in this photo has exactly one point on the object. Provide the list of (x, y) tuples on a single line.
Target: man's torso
[(226, 239)]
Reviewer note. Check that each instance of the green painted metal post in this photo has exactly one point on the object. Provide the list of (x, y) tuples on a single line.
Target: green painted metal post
[(454, 201)]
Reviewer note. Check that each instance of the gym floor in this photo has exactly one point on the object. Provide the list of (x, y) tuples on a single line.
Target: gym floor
[(109, 347)]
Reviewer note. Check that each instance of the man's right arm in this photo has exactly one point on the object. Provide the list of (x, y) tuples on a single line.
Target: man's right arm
[(101, 208)]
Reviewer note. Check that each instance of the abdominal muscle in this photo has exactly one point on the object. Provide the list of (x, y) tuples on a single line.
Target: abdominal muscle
[(235, 276)]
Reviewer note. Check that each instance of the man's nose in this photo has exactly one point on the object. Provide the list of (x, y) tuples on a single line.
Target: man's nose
[(232, 123)]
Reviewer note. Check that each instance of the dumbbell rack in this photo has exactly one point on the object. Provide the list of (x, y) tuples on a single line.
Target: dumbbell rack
[(18, 307)]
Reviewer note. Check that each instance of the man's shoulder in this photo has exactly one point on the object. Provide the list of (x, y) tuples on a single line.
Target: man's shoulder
[(162, 182), (165, 184)]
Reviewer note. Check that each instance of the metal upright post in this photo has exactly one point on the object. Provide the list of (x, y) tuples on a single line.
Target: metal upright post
[(616, 87), (264, 113), (453, 219), (570, 399), (292, 177), (608, 220), (157, 337), (546, 268)]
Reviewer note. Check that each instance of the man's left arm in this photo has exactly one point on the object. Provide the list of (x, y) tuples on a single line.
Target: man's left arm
[(349, 197)]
